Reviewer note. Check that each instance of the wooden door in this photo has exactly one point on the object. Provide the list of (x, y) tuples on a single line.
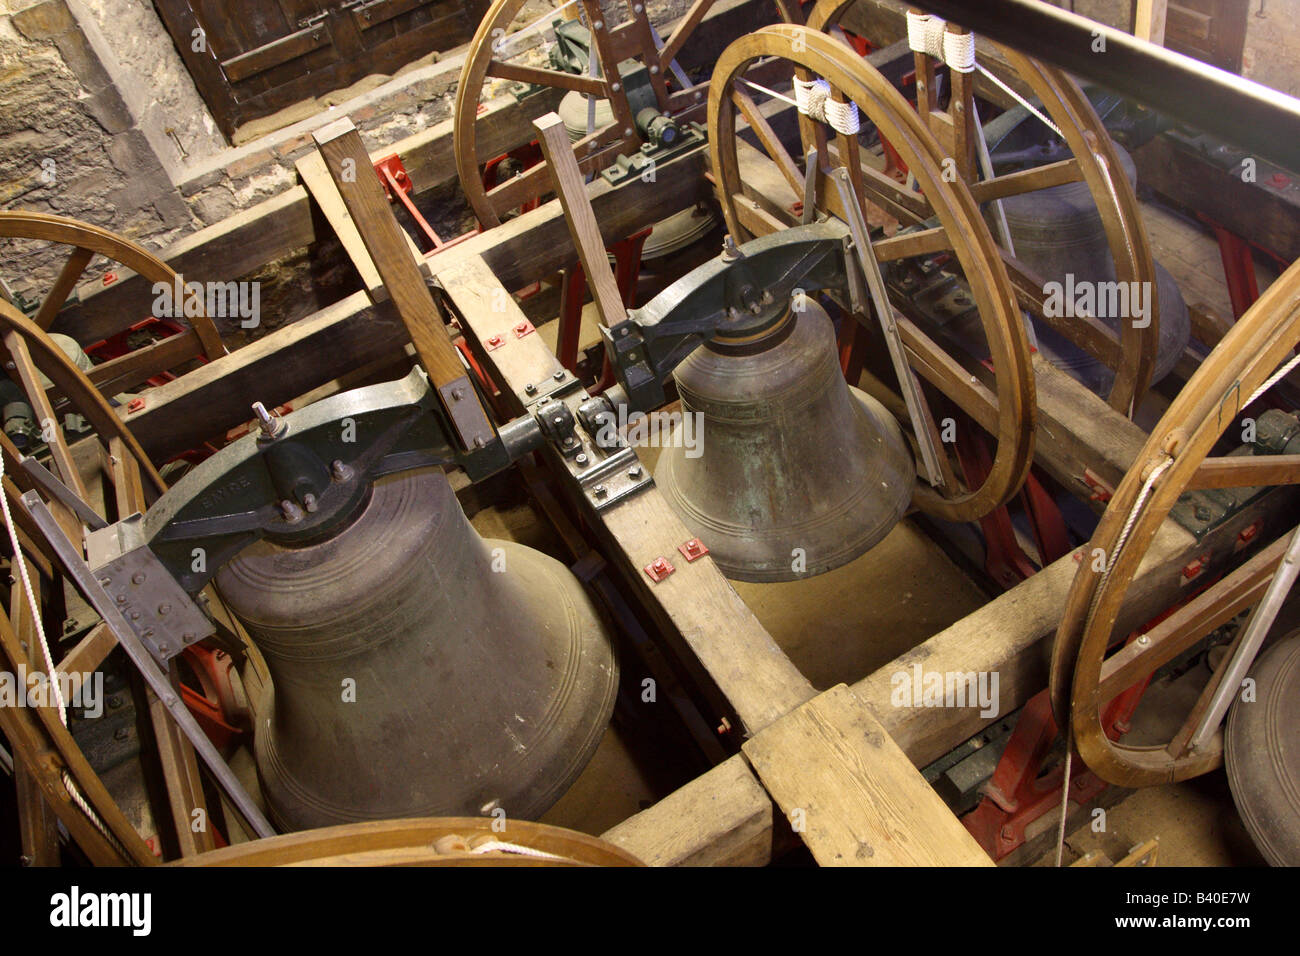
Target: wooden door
[(1212, 31), (250, 58)]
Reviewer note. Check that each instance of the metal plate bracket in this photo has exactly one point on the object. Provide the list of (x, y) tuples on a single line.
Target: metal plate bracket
[(155, 606)]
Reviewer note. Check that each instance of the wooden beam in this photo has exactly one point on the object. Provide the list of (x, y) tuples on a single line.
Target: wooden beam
[(584, 230), (295, 359), (1010, 636), (852, 794), (345, 159), (252, 238), (314, 175), (721, 818)]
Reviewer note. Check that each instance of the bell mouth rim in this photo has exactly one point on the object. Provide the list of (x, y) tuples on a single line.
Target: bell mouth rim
[(758, 340)]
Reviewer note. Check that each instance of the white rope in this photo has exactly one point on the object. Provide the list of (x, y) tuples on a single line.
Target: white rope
[(21, 562), (501, 846), (813, 99), (1022, 101), (51, 676), (925, 34), (772, 93), (1277, 377), (930, 35), (959, 51), (1147, 485)]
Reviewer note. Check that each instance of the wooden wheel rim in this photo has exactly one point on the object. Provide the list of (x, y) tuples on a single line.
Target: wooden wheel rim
[(1126, 235), (972, 242), (411, 843), (80, 392), (70, 232), (1208, 405)]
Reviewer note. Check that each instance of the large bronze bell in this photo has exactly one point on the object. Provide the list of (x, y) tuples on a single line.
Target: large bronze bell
[(418, 669), (797, 472)]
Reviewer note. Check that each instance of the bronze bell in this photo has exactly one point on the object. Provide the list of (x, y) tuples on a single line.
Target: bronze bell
[(418, 669), (797, 473)]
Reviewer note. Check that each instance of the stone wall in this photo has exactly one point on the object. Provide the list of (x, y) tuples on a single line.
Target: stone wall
[(69, 141), (102, 123)]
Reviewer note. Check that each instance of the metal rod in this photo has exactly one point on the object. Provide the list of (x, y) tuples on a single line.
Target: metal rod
[(916, 406), (94, 592), (809, 188), (1247, 114), (1257, 628), (57, 489), (999, 214)]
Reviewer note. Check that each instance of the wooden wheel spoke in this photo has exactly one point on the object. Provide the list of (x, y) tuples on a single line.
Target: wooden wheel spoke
[(768, 138), (63, 286), (1090, 334), (924, 243), (504, 70), (945, 373), (1027, 180), (51, 430), (685, 27), (1246, 471), (535, 182)]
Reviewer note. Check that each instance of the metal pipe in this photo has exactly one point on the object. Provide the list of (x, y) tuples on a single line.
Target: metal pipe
[(1256, 629)]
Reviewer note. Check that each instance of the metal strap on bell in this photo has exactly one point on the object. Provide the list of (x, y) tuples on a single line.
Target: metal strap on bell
[(418, 669), (797, 473)]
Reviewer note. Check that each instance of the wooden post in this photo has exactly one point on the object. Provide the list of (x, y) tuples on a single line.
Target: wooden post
[(349, 165)]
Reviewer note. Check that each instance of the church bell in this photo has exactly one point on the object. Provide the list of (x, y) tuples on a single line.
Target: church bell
[(796, 472), (418, 669)]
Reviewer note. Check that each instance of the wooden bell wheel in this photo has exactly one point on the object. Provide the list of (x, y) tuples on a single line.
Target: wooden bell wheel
[(87, 241), (1176, 458), (1010, 414), (433, 841), (493, 54), (1133, 355), (31, 351), (60, 778)]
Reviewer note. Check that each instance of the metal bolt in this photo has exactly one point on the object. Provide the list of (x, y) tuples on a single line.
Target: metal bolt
[(627, 132), (188, 637), (114, 702), (137, 578), (309, 502), (105, 582), (599, 24), (530, 388), (340, 471), (581, 458), (270, 425), (291, 512), (457, 393), (559, 376), (120, 734), (600, 491), (121, 599), (135, 615), (1143, 640), (634, 472), (615, 87), (654, 70)]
